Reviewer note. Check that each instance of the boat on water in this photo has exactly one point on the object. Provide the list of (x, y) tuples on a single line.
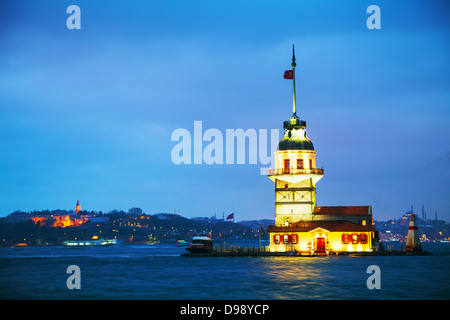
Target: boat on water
[(200, 245), (90, 243)]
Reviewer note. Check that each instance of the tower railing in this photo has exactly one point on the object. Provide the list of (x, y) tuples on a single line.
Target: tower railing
[(292, 170)]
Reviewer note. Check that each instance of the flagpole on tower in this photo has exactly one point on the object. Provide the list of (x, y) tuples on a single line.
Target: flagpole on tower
[(293, 64)]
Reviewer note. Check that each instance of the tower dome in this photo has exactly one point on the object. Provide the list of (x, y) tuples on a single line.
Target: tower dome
[(295, 136)]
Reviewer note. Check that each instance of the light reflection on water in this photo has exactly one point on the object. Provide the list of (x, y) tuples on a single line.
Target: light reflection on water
[(158, 272), (296, 277)]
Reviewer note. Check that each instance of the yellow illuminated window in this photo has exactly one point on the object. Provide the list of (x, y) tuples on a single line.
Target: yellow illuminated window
[(363, 237), (276, 239), (345, 238), (294, 239), (285, 238)]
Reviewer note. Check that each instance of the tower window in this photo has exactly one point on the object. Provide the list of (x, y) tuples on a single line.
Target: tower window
[(287, 164), (299, 163), (310, 164)]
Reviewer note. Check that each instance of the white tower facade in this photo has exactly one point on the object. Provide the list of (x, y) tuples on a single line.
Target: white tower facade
[(295, 174)]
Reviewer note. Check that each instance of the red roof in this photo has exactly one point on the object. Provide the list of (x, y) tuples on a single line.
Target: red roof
[(336, 225), (349, 210)]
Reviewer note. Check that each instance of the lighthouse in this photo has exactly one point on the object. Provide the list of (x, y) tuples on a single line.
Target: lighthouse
[(412, 240), (295, 174)]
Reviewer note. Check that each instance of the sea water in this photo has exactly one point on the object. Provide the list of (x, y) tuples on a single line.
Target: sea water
[(160, 272)]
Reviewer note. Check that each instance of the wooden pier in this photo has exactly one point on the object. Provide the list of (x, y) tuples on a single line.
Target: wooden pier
[(263, 251)]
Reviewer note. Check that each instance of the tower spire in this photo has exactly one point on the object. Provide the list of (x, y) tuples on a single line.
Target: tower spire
[(293, 64)]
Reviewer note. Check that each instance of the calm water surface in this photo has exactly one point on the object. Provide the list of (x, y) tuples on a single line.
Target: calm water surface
[(159, 272)]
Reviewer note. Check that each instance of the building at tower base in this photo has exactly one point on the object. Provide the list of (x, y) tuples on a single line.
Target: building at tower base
[(322, 237)]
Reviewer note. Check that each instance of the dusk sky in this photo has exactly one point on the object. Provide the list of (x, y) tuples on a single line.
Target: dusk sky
[(88, 114)]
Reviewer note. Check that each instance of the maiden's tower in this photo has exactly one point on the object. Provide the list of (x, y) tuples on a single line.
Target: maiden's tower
[(301, 225)]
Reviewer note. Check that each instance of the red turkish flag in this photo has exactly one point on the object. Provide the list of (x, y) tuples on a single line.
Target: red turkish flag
[(289, 74)]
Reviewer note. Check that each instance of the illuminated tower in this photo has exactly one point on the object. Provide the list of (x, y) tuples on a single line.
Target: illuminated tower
[(295, 174), (78, 207)]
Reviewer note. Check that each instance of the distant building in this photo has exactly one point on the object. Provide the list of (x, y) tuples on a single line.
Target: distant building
[(77, 207), (166, 216), (404, 220), (200, 218), (300, 224), (62, 219)]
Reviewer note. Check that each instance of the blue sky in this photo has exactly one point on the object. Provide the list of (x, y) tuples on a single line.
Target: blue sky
[(88, 114)]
